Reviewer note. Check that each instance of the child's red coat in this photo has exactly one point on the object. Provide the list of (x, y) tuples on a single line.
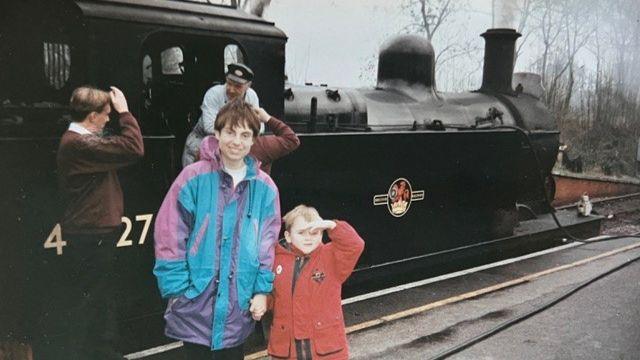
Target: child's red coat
[(314, 311)]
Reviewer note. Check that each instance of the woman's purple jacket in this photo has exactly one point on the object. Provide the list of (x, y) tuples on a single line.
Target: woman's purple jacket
[(214, 248)]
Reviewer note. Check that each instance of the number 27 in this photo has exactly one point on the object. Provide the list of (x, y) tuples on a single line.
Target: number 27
[(54, 241), (128, 225)]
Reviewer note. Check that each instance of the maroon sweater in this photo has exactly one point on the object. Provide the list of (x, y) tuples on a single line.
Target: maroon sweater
[(269, 148), (89, 184)]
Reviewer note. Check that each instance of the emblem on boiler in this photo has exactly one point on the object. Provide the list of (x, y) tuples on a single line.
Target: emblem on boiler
[(399, 197)]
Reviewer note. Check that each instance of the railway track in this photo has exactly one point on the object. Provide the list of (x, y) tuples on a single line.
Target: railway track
[(622, 214)]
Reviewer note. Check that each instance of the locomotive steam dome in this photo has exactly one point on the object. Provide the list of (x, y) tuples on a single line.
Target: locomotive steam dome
[(406, 60)]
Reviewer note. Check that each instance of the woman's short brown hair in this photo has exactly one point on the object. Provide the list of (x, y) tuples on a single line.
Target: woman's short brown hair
[(87, 99), (237, 113)]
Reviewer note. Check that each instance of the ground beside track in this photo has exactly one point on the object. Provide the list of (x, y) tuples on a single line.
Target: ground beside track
[(601, 322), (625, 217)]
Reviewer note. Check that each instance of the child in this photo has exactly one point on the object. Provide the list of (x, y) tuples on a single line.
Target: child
[(307, 311), (214, 240)]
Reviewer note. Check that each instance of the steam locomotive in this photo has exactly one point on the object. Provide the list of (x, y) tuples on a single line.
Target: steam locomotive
[(433, 182)]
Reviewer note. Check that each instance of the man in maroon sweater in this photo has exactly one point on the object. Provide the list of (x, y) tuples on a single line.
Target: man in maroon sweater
[(81, 321), (87, 161)]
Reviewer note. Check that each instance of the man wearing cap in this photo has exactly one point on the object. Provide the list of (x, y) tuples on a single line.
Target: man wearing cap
[(238, 84)]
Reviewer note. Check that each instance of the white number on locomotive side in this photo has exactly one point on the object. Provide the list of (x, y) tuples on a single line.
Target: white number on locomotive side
[(55, 241), (127, 229), (147, 222)]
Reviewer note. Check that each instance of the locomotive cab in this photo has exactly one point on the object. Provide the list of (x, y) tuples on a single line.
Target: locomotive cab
[(163, 55)]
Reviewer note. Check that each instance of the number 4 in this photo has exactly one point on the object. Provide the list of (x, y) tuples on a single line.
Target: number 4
[(55, 240)]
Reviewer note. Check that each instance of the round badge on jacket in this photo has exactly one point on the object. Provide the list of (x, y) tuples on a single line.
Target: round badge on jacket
[(278, 269)]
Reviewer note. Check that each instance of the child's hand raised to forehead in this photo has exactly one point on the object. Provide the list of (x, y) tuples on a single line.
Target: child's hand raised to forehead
[(321, 225)]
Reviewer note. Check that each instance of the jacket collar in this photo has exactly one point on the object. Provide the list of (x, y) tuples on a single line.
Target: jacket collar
[(78, 128)]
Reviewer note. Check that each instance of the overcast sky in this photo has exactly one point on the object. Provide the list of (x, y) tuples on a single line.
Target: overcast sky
[(330, 41)]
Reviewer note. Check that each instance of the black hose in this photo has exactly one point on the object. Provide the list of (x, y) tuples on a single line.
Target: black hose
[(552, 211), (509, 323), (525, 134)]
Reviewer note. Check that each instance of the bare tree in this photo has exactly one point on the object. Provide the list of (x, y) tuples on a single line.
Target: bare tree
[(429, 15), (624, 31), (457, 46), (549, 27), (525, 10), (597, 49), (578, 27), (564, 29)]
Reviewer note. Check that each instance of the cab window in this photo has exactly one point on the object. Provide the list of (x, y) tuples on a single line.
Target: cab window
[(57, 63), (176, 71), (172, 61), (232, 54)]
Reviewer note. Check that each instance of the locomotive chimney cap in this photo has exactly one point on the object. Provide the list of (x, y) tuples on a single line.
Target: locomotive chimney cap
[(508, 33)]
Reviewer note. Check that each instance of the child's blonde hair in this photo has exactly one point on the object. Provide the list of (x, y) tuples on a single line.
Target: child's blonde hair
[(309, 213)]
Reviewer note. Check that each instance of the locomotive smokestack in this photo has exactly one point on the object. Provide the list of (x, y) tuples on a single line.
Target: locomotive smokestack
[(499, 55)]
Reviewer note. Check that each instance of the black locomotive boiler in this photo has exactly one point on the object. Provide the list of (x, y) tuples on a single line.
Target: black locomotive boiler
[(440, 180), (432, 181)]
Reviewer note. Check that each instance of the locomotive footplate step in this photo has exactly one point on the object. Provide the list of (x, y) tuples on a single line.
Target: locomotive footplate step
[(529, 236)]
